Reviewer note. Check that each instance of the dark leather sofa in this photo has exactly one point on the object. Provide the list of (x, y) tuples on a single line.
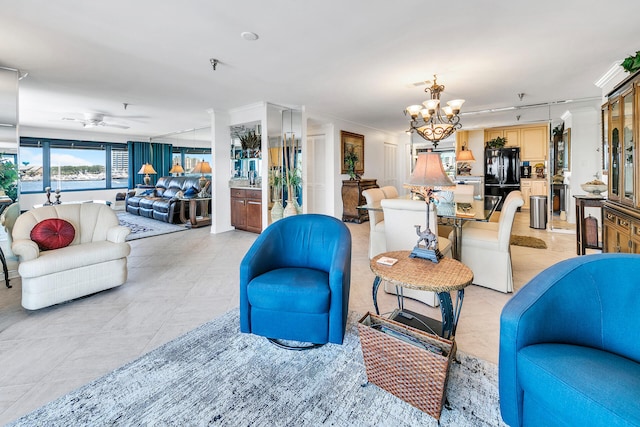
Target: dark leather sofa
[(161, 202)]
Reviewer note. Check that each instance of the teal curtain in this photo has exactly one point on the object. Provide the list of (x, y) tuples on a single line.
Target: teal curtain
[(159, 155)]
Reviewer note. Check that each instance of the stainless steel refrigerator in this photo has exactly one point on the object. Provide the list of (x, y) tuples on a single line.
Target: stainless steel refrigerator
[(501, 172)]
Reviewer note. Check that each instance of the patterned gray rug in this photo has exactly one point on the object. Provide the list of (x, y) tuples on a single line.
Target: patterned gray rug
[(146, 227), (214, 375)]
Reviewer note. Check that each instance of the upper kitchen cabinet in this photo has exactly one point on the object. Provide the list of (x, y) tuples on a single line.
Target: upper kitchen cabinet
[(532, 140)]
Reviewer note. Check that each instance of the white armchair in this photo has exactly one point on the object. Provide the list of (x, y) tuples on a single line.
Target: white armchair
[(376, 222), (95, 260), (400, 234), (486, 250), (8, 219)]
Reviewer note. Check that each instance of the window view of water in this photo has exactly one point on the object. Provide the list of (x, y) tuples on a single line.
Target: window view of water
[(36, 186)]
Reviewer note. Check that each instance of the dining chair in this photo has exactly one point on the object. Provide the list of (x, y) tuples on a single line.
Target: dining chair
[(401, 217), (485, 247), (390, 192), (376, 222)]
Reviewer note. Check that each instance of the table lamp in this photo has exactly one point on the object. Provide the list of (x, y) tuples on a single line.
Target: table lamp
[(427, 174), (202, 168), (176, 169), (147, 169)]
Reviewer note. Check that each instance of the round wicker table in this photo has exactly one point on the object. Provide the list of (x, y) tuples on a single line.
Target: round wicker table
[(416, 273)]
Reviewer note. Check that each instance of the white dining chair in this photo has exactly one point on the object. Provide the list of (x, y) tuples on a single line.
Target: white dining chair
[(401, 216), (485, 247), (376, 222)]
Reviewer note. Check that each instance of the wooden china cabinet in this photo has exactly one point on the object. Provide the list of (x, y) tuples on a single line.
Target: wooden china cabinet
[(621, 212)]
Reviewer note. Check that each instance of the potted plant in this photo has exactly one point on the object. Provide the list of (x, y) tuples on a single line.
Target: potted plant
[(8, 178), (350, 159), (250, 143), (497, 142), (292, 177), (631, 63)]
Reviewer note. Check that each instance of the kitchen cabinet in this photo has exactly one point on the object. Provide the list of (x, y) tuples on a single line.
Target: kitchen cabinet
[(533, 140), (352, 198), (246, 209), (532, 187)]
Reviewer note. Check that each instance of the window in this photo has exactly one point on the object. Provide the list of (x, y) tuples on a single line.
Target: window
[(188, 157), (31, 169), (72, 165)]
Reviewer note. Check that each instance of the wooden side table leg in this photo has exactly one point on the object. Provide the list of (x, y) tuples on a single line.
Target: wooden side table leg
[(193, 207), (183, 216)]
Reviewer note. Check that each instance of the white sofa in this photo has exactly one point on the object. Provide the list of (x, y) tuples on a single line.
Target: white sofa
[(95, 260)]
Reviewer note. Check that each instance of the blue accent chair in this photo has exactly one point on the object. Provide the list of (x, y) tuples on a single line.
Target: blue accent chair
[(570, 345), (295, 280)]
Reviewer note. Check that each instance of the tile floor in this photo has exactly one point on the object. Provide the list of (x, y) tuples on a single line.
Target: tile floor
[(179, 281)]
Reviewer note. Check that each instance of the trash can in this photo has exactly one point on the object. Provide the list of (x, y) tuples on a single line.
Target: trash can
[(538, 212)]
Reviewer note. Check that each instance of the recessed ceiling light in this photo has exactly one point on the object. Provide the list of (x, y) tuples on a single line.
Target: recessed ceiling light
[(247, 35)]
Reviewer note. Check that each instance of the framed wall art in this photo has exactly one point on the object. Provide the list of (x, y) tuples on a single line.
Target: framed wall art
[(352, 144)]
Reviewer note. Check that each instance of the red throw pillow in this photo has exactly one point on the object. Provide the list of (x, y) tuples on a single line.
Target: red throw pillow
[(53, 233)]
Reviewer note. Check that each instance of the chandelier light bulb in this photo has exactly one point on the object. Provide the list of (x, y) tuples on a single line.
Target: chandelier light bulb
[(432, 105), (414, 110), (456, 105)]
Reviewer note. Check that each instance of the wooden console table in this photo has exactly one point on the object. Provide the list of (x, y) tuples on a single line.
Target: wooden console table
[(352, 198), (583, 241)]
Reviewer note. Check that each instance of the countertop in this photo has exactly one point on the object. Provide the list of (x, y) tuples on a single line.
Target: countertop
[(247, 187)]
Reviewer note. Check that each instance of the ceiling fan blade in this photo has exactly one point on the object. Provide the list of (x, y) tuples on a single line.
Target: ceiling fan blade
[(72, 119), (113, 125)]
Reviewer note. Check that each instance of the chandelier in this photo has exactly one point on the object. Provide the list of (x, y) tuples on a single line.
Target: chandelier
[(432, 122)]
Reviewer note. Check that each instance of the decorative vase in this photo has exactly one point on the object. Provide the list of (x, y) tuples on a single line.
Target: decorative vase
[(297, 206), (290, 209), (277, 211)]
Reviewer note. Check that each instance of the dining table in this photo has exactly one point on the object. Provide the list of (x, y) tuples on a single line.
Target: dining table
[(455, 212)]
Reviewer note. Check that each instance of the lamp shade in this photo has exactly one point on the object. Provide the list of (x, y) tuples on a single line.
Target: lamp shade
[(465, 156), (147, 169), (176, 169), (202, 167), (429, 172)]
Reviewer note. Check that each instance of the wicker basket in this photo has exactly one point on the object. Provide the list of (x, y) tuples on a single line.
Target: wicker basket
[(414, 374)]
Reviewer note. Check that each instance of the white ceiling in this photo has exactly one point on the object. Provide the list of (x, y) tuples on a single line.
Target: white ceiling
[(349, 59)]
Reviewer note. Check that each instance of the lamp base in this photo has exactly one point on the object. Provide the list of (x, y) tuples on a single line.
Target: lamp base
[(203, 182), (147, 180), (431, 254)]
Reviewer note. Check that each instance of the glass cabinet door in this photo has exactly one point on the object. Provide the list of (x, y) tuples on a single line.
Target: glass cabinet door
[(629, 149), (614, 163)]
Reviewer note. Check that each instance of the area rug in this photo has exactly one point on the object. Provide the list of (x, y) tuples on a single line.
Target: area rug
[(215, 375), (146, 227), (527, 241)]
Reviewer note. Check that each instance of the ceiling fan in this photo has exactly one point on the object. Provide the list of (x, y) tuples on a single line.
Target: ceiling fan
[(92, 120)]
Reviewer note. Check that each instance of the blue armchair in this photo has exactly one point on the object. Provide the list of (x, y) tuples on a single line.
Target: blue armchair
[(295, 281), (569, 345)]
